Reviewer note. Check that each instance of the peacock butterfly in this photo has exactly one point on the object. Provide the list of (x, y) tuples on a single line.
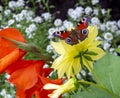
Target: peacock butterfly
[(79, 33)]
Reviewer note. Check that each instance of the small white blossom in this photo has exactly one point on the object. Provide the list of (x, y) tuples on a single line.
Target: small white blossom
[(7, 12), (118, 23), (102, 27), (106, 45), (67, 24), (79, 10), (7, 76), (98, 38), (73, 14), (50, 32), (95, 21), (12, 5), (61, 28), (88, 10), (118, 32), (38, 19), (58, 22), (18, 17), (1, 8), (103, 11), (20, 3), (96, 12), (46, 16), (108, 36), (10, 22), (94, 2), (49, 49), (33, 27), (18, 25), (0, 17)]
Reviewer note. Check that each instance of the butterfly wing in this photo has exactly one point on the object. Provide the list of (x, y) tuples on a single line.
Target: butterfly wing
[(61, 34), (82, 24), (82, 34), (72, 38)]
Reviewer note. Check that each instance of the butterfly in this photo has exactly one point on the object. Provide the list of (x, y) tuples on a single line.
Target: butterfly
[(79, 33)]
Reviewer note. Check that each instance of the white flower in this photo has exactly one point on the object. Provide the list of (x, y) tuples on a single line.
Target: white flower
[(50, 32), (7, 76), (61, 28), (12, 5), (33, 27), (7, 12), (106, 45), (3, 92), (114, 28), (95, 21), (118, 32), (67, 24), (49, 49), (38, 0), (112, 49), (0, 17), (102, 27), (18, 17), (38, 19), (46, 16), (20, 3), (75, 14), (58, 22), (111, 25), (1, 8), (96, 12), (79, 10), (88, 10), (94, 2), (108, 36), (118, 23), (103, 11), (98, 38), (11, 21), (18, 25)]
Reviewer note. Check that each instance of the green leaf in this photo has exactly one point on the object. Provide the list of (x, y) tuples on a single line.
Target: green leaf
[(106, 74), (117, 50), (91, 53), (88, 58)]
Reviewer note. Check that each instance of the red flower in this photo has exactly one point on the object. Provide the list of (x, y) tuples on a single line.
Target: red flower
[(9, 53), (29, 77)]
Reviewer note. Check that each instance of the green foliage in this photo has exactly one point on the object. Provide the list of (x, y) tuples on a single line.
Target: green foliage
[(105, 73)]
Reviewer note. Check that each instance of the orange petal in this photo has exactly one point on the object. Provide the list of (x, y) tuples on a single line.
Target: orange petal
[(7, 46), (27, 76), (9, 59)]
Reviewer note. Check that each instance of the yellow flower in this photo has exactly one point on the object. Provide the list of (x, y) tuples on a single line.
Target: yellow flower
[(73, 57), (70, 85)]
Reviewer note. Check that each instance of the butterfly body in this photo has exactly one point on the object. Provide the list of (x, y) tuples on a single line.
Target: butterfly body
[(72, 37)]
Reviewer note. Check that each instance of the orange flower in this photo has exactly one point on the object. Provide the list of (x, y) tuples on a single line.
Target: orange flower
[(29, 77), (9, 53)]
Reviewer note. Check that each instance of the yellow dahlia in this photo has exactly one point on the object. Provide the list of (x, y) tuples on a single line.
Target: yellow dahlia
[(73, 57)]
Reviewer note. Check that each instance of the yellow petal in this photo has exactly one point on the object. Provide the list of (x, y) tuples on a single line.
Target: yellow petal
[(88, 64), (58, 47), (92, 33), (99, 52)]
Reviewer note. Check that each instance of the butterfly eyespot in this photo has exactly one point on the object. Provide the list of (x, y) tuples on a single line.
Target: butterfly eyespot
[(68, 40), (84, 31), (57, 32)]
